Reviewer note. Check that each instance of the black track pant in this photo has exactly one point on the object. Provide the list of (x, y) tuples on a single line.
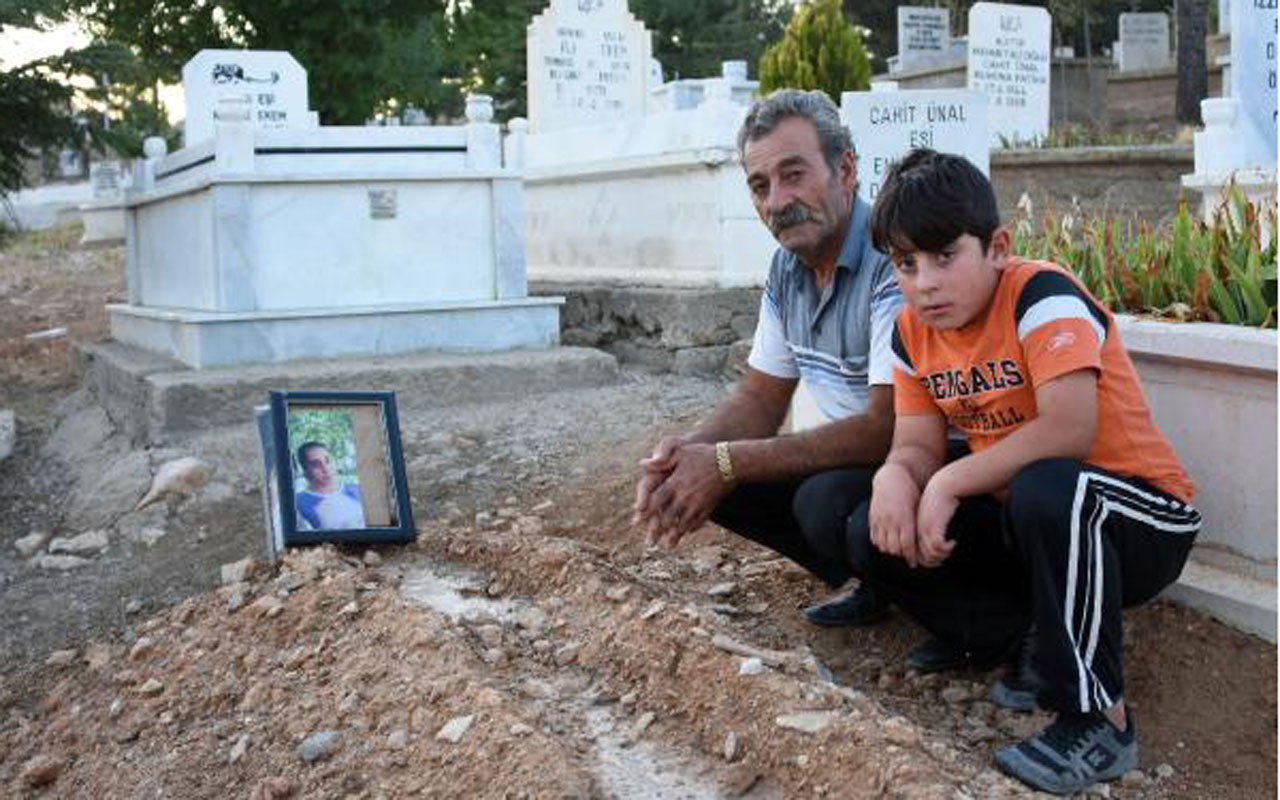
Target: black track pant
[(803, 520), (1071, 546)]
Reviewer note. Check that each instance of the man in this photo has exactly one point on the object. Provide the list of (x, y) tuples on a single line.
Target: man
[(826, 318), (326, 504)]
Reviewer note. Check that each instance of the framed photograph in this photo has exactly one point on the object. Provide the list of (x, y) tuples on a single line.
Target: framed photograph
[(333, 469)]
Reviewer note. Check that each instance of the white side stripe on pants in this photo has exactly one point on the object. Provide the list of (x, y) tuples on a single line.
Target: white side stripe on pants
[(1110, 496)]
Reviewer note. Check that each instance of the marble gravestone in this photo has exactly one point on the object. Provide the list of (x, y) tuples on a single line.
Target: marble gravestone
[(885, 125), (588, 63), (924, 36), (273, 82), (1009, 63), (1253, 80), (1144, 42)]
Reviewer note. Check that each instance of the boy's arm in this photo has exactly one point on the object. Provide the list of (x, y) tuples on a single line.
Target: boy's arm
[(919, 447), (1065, 425)]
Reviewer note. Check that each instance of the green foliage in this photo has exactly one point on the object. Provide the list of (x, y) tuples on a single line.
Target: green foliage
[(1219, 272), (819, 50), (360, 55), (331, 427), (37, 115), (692, 39), (1074, 134)]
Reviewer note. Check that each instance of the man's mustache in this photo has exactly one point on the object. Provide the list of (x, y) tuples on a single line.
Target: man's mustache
[(793, 214)]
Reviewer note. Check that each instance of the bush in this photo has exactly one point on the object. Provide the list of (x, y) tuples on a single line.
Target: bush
[(820, 49), (1219, 272)]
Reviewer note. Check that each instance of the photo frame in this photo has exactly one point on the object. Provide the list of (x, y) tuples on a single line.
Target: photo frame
[(333, 469)]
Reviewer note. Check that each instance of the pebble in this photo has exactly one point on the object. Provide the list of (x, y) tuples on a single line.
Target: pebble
[(618, 593), (567, 654), (455, 729), (1164, 772), (956, 693), (521, 729), (398, 739), (87, 542), (372, 559), (901, 732), (133, 606), (642, 724), (60, 658), (751, 666), (41, 770), (116, 708), (239, 748), (730, 749), (29, 544), (806, 721), (238, 571), (142, 648), (655, 608), (151, 687), (60, 563), (1100, 790), (350, 609), (1134, 777), (318, 745), (722, 589), (628, 699), (545, 505)]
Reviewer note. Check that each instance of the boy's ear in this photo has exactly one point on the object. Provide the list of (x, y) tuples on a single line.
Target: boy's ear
[(1001, 241)]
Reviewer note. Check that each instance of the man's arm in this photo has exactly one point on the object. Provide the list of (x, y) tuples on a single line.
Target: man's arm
[(1065, 426)]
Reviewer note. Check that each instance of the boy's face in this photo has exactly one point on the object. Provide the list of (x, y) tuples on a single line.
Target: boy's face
[(951, 288)]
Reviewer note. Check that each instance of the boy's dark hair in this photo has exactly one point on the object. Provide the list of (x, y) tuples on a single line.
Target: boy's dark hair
[(304, 447), (930, 199)]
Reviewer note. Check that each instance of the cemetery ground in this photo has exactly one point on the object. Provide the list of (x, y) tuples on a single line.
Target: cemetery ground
[(527, 645)]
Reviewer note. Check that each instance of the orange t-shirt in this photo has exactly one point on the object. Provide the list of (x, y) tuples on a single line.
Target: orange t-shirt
[(1042, 323)]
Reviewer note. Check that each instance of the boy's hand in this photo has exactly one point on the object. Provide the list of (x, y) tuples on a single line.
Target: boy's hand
[(893, 513), (937, 506)]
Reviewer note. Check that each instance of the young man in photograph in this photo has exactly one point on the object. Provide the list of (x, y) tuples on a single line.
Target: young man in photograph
[(326, 503), (1071, 506)]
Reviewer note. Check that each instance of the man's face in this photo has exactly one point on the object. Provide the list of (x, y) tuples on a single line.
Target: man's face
[(802, 201), (953, 287), (317, 467)]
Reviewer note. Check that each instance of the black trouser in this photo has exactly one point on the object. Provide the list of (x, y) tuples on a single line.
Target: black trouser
[(804, 520), (1072, 545)]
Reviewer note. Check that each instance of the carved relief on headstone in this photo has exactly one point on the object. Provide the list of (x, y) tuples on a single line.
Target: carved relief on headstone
[(1009, 62), (271, 83), (588, 63)]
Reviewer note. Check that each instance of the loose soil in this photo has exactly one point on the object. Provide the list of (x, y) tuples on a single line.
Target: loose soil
[(526, 645)]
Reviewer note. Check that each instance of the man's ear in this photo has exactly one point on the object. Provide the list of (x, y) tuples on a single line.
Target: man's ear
[(1001, 242), (849, 171)]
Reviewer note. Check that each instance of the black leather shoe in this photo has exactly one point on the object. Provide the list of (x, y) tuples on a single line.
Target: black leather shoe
[(935, 655), (863, 606)]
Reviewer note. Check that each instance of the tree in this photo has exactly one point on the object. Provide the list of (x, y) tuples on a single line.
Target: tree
[(361, 56), (1193, 74), (692, 39), (819, 50)]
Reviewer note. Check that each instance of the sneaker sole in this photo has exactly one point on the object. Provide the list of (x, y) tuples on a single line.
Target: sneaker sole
[(1014, 763)]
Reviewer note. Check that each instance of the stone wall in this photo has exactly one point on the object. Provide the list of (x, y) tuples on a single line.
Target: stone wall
[(1144, 103), (1134, 182), (685, 331)]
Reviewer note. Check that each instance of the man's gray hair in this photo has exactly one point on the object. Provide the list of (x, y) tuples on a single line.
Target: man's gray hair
[(769, 112)]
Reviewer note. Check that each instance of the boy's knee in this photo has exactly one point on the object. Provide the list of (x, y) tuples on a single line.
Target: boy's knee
[(1042, 493)]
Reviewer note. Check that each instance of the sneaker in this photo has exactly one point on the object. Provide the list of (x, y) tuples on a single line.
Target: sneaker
[(1018, 689), (858, 608), (1072, 754)]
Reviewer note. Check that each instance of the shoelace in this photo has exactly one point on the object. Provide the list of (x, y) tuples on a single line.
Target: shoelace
[(1070, 732)]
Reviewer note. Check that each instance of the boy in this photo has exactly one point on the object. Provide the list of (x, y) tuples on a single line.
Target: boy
[(1071, 505)]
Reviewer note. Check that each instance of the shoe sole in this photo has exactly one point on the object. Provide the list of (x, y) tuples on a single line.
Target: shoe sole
[(1010, 761), (862, 622)]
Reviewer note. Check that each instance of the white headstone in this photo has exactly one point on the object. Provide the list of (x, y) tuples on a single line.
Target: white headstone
[(1253, 79), (274, 84), (1144, 42), (105, 177), (588, 63), (1009, 62), (887, 124), (924, 35)]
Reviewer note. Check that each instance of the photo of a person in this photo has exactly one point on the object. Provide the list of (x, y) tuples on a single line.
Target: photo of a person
[(327, 502)]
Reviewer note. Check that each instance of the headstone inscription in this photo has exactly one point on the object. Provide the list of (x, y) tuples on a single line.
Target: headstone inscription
[(1009, 62), (274, 84), (1253, 79), (924, 35), (105, 177), (1144, 42), (887, 124), (588, 63)]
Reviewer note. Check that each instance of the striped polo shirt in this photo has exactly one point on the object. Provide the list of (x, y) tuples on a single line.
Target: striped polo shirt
[(837, 340)]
